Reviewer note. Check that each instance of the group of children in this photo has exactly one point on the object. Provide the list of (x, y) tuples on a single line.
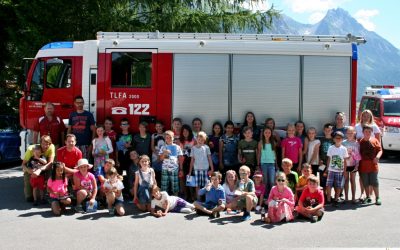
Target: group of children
[(158, 165)]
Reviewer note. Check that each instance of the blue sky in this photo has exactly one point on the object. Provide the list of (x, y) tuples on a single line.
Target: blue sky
[(380, 16)]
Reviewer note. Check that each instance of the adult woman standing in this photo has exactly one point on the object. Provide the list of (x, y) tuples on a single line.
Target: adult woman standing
[(339, 125), (367, 118), (250, 120)]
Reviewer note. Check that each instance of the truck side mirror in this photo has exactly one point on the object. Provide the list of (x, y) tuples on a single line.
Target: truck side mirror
[(26, 64)]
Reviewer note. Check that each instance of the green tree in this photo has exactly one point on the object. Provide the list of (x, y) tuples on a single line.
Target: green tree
[(29, 24)]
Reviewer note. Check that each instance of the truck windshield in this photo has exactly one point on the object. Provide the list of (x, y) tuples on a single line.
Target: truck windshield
[(391, 107)]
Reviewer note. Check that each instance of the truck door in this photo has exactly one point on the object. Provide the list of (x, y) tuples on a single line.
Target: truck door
[(52, 81), (130, 85)]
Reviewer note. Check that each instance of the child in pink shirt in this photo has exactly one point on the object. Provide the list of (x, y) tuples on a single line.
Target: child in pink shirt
[(292, 147), (260, 189), (280, 201), (57, 188), (85, 185)]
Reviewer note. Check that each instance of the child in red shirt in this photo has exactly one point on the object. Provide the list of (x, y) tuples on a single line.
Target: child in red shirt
[(311, 202)]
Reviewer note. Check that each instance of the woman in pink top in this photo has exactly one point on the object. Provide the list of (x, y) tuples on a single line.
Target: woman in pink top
[(57, 189), (280, 201), (85, 185)]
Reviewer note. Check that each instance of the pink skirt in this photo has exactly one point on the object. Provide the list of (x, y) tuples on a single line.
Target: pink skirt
[(280, 211)]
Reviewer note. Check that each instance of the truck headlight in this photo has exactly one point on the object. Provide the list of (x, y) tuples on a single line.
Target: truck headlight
[(390, 129)]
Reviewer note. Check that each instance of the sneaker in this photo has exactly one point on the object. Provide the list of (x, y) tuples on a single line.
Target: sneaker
[(29, 199), (335, 203), (35, 203), (43, 201), (314, 219), (215, 215), (246, 216), (111, 211), (79, 209), (367, 200), (378, 201)]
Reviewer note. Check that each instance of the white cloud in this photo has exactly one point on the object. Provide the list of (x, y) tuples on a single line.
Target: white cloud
[(364, 17), (307, 6)]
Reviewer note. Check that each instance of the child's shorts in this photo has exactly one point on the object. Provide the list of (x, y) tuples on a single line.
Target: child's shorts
[(118, 202), (201, 177), (89, 194), (181, 203), (208, 205), (314, 169), (241, 203), (350, 168), (37, 182), (334, 179), (369, 179)]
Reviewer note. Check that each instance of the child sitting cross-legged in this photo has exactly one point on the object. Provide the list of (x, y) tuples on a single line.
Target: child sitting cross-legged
[(215, 197), (168, 203), (247, 199), (311, 202)]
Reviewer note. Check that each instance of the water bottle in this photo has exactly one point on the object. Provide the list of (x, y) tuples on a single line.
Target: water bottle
[(262, 213)]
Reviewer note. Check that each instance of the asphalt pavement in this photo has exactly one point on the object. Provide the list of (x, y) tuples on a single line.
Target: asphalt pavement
[(348, 226)]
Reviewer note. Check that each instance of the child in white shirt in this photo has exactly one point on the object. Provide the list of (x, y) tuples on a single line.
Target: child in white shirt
[(168, 203)]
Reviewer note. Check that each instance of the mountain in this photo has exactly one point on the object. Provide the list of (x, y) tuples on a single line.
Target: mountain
[(379, 60)]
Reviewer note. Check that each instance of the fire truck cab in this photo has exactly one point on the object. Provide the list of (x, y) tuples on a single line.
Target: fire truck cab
[(384, 103)]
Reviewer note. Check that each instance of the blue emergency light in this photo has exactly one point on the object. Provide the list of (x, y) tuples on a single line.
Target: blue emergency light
[(383, 92), (58, 45)]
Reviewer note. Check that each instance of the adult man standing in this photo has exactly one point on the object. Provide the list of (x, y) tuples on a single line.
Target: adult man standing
[(69, 154), (81, 123), (51, 125)]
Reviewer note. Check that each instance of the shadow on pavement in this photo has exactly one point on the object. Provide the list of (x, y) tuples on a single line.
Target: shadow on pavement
[(191, 216), (233, 219), (346, 206), (45, 214), (12, 194), (102, 214)]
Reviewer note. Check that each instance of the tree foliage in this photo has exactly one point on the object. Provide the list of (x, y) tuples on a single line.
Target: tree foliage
[(29, 24)]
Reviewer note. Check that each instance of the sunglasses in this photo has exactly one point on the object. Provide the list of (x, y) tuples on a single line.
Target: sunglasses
[(280, 180), (124, 124)]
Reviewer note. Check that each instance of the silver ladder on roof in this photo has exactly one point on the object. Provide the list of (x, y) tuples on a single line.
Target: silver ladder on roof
[(229, 36)]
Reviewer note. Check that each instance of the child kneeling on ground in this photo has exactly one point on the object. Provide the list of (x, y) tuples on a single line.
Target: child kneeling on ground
[(57, 187), (311, 202), (168, 203), (113, 189), (215, 197)]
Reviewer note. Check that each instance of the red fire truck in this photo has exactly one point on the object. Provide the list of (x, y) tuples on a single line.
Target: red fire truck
[(384, 103), (151, 76)]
